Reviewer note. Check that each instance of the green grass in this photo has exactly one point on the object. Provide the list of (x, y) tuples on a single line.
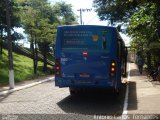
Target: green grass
[(23, 68)]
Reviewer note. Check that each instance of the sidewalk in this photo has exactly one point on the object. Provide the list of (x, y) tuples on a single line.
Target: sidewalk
[(25, 84), (144, 95)]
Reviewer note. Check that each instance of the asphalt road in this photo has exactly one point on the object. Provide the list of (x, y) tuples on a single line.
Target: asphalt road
[(45, 101)]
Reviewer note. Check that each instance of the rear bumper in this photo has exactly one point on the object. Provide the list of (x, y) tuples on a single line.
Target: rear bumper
[(85, 83)]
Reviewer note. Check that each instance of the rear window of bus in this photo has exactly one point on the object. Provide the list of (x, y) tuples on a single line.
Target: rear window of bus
[(84, 39)]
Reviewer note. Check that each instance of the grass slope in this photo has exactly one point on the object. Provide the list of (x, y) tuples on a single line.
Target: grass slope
[(23, 68)]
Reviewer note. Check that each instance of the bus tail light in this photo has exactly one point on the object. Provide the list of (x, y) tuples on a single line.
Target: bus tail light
[(85, 53), (57, 68), (113, 69)]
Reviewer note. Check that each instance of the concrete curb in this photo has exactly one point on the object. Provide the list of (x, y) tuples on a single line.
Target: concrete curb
[(25, 86)]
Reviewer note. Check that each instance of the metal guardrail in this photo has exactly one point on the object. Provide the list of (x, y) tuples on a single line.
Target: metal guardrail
[(23, 51), (40, 57)]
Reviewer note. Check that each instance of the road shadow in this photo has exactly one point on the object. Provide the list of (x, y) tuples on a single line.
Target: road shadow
[(3, 97), (132, 97), (90, 103), (155, 83)]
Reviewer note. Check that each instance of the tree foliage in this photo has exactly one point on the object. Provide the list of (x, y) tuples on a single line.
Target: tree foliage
[(143, 27), (40, 19), (15, 20), (115, 10), (143, 17), (65, 13)]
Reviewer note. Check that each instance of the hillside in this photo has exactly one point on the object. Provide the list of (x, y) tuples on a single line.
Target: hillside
[(23, 68)]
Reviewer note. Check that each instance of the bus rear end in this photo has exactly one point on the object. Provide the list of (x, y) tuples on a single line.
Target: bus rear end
[(85, 57)]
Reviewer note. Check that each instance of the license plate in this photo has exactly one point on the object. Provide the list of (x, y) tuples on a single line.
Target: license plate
[(84, 75)]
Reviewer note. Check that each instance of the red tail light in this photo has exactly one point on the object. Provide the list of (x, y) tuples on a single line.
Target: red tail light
[(57, 68), (85, 53), (113, 69)]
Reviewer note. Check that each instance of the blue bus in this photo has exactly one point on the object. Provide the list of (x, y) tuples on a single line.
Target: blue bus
[(89, 56)]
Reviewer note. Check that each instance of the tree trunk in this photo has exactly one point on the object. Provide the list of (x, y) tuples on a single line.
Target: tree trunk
[(148, 60), (36, 54), (45, 57), (1, 43), (33, 54), (154, 60), (9, 38)]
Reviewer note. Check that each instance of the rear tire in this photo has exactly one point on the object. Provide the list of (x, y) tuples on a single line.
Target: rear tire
[(72, 91), (117, 91)]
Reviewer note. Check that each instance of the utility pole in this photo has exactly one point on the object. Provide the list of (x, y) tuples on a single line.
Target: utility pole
[(10, 56), (83, 10)]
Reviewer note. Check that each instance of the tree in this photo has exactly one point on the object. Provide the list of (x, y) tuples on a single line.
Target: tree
[(45, 28), (143, 17), (28, 19), (2, 23), (143, 29), (14, 18), (119, 10), (115, 10), (48, 30), (65, 13), (38, 21)]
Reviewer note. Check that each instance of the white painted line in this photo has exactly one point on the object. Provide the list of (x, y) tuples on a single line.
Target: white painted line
[(25, 86), (125, 111)]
